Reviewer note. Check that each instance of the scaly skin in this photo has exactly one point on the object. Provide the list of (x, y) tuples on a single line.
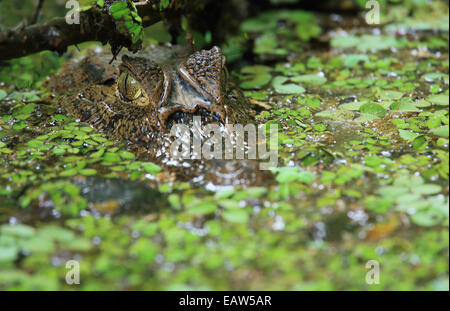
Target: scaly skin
[(175, 84)]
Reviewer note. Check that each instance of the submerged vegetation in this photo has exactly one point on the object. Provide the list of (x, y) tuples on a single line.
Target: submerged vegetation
[(363, 143)]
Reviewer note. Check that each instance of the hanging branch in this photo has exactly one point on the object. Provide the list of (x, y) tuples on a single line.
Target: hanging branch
[(56, 35)]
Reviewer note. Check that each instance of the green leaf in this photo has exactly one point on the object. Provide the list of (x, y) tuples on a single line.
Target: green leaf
[(401, 106), (422, 103), (38, 245), (420, 142), (434, 122), (389, 95), (144, 249), (257, 25), (351, 106), (239, 216), (19, 230), (19, 125), (313, 79), (367, 42), (69, 172), (174, 200), (126, 155), (203, 209), (441, 99), (355, 59), (306, 31), (440, 131), (365, 117), (57, 233), (255, 77), (164, 4), (118, 14), (255, 192), (279, 84), (79, 245), (345, 42), (428, 217), (427, 189), (230, 204), (151, 168), (224, 194), (407, 135), (392, 192), (373, 109), (289, 174), (88, 172), (8, 253), (111, 157), (35, 143), (338, 115), (433, 76), (117, 6)]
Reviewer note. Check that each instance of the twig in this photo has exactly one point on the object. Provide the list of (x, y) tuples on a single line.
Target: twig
[(37, 11)]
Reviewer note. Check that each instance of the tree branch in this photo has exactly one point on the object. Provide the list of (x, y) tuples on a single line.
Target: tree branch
[(57, 35)]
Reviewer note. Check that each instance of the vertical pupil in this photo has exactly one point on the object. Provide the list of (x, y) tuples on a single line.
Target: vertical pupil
[(126, 84), (128, 87)]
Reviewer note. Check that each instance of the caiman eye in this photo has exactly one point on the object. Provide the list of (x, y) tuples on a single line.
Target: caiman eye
[(129, 88)]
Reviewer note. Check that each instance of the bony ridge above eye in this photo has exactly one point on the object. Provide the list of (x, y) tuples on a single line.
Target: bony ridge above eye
[(129, 88)]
